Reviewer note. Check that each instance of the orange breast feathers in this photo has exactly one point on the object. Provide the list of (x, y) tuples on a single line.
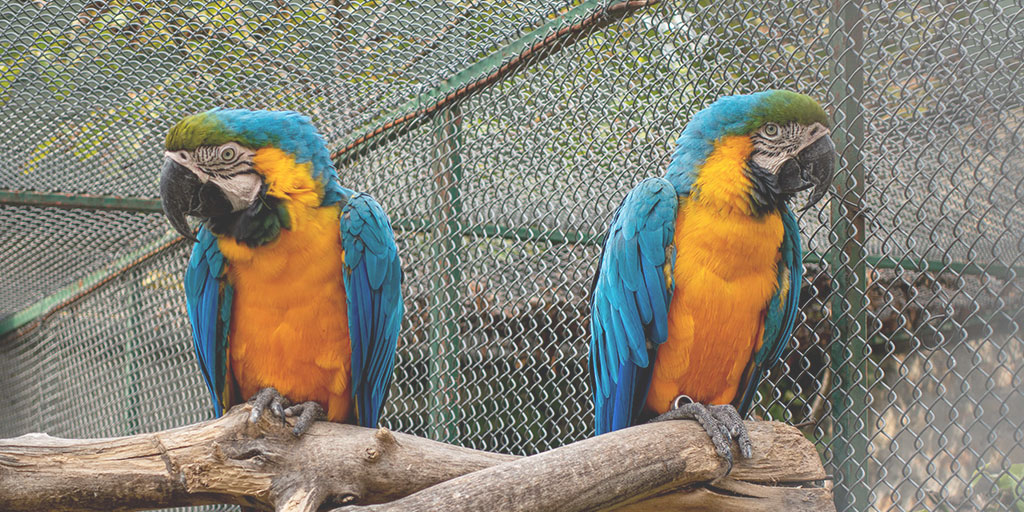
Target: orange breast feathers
[(725, 273), (289, 326)]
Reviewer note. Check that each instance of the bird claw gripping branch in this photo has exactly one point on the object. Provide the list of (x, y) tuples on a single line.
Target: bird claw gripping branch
[(721, 422)]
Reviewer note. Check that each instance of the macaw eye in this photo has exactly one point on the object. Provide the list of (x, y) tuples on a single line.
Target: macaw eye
[(771, 130), (227, 153)]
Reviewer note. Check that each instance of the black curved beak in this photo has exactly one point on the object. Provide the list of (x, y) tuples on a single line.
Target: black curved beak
[(814, 167), (182, 194)]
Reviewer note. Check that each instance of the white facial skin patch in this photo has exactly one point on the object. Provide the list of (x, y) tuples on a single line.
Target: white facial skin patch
[(228, 166), (241, 190), (774, 144)]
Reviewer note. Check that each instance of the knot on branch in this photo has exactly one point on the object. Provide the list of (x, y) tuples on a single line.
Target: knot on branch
[(384, 441), (385, 437)]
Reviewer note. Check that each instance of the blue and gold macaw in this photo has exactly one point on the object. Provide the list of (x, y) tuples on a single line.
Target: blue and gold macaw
[(699, 279), (293, 288)]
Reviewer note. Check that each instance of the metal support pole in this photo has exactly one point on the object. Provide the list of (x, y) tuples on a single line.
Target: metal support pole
[(132, 350), (84, 201), (848, 350), (445, 310)]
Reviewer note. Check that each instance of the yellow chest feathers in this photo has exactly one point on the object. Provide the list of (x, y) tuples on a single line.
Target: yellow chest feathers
[(725, 272), (716, 230), (289, 324)]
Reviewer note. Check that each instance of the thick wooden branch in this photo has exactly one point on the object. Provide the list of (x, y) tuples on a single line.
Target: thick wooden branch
[(227, 460), (231, 461), (653, 467)]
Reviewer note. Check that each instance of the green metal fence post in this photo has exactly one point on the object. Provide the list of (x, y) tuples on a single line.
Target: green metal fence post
[(848, 350), (136, 332), (445, 310)]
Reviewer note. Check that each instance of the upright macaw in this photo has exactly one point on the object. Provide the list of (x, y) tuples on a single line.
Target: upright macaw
[(293, 286), (699, 278)]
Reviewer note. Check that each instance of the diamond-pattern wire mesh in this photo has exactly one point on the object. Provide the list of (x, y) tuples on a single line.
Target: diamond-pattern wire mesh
[(909, 358)]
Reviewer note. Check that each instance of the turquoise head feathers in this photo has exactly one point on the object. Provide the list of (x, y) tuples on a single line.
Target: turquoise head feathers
[(741, 114)]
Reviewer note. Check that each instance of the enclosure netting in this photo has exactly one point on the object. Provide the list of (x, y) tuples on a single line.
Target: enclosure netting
[(521, 125)]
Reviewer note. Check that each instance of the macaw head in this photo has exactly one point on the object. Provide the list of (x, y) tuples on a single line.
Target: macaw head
[(236, 168), (786, 138)]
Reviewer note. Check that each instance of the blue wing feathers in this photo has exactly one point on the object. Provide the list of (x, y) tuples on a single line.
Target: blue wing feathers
[(795, 265), (373, 278), (629, 302), (623, 395), (658, 320), (206, 298), (644, 307)]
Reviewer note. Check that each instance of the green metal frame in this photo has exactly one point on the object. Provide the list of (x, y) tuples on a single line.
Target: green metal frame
[(848, 350), (922, 265), (83, 201), (526, 234), (445, 310), (131, 351), (69, 293)]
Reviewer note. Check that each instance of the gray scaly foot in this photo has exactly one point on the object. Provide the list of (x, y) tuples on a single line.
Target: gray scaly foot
[(308, 412), (721, 422), (268, 397)]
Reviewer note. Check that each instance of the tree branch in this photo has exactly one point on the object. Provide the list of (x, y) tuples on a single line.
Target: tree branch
[(229, 460)]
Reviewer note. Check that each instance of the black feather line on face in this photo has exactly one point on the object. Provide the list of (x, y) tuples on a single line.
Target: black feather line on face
[(256, 225), (765, 195)]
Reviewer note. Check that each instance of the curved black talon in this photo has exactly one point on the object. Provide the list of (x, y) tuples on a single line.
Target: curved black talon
[(308, 412), (268, 397), (721, 422)]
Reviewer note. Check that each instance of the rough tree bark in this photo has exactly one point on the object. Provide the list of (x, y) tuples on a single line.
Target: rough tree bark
[(228, 460)]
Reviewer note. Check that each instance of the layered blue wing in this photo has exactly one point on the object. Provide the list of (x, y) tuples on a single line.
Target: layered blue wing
[(780, 315), (373, 286), (629, 303), (208, 300)]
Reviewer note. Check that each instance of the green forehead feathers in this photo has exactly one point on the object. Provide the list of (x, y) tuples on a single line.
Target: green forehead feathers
[(784, 107), (197, 130)]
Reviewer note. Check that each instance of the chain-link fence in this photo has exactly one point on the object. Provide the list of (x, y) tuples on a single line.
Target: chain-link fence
[(499, 136)]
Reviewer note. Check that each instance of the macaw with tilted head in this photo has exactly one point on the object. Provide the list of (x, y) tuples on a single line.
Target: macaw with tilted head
[(294, 284), (699, 280)]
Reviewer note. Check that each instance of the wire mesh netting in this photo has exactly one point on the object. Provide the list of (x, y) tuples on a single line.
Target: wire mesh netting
[(521, 125)]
